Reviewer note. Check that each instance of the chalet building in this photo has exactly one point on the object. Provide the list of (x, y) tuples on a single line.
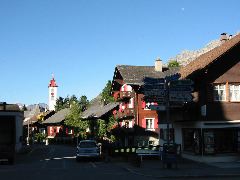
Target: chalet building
[(137, 123), (211, 123), (55, 124)]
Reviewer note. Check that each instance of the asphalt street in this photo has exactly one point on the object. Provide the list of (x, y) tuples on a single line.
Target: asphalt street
[(58, 162)]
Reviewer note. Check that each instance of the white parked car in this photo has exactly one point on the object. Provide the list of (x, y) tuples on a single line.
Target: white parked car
[(88, 149)]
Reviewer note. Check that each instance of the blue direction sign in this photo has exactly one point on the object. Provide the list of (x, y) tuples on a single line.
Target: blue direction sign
[(148, 80), (173, 77), (158, 107), (184, 82), (180, 90), (154, 92), (153, 86), (180, 96), (154, 89)]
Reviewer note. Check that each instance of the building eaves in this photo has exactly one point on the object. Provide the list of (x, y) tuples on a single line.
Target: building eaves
[(205, 59), (57, 117)]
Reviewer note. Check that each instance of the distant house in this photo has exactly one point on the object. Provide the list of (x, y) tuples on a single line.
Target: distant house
[(55, 124), (139, 124), (96, 110), (211, 123)]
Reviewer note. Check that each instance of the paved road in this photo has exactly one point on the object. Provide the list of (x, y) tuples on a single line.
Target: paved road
[(58, 162)]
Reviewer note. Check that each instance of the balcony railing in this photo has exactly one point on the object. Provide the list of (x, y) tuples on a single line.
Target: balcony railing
[(126, 94), (125, 114)]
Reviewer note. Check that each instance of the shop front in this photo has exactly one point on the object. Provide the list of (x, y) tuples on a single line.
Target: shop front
[(211, 141)]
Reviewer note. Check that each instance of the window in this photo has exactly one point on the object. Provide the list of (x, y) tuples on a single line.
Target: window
[(149, 123), (219, 92), (234, 93)]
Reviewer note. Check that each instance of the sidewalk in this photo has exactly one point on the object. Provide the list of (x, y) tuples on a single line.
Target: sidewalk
[(186, 169)]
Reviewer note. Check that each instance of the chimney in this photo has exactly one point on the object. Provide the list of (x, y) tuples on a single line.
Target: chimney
[(223, 37), (158, 65)]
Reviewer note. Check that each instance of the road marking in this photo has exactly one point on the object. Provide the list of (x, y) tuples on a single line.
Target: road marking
[(50, 154), (93, 165)]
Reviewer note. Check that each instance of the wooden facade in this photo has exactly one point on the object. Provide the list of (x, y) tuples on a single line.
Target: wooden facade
[(141, 124), (215, 127)]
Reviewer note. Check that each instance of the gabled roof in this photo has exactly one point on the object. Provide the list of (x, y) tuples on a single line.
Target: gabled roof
[(98, 110), (9, 107), (206, 59), (136, 74), (57, 117)]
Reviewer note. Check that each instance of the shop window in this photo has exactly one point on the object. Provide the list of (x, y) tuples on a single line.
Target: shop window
[(234, 93), (220, 92)]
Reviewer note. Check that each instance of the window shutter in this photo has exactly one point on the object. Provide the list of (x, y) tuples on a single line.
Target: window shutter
[(143, 104), (144, 123)]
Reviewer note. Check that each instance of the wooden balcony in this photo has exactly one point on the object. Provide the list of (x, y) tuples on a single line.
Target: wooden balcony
[(125, 114), (126, 94)]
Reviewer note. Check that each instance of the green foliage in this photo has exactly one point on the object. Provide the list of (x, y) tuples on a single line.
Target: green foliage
[(101, 128), (73, 119), (39, 137), (60, 104), (106, 93), (63, 103), (111, 122), (83, 103), (173, 63)]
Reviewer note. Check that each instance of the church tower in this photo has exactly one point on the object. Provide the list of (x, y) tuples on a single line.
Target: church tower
[(52, 94)]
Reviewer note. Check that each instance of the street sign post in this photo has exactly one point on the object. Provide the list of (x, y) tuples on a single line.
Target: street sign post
[(158, 107), (167, 91)]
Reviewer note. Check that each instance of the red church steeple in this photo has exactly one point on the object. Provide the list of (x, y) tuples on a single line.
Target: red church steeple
[(52, 82)]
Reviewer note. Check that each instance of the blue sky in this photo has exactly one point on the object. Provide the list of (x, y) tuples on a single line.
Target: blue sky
[(81, 41)]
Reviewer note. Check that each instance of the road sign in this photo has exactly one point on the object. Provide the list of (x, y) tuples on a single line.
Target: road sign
[(181, 88), (173, 77), (148, 80), (158, 107), (180, 97), (154, 99), (154, 92), (153, 86), (184, 82)]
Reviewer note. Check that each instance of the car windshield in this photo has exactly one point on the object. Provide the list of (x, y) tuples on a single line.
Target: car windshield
[(87, 144)]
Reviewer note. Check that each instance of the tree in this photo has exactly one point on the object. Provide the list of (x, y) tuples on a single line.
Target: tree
[(106, 94), (83, 103), (63, 103), (173, 63), (59, 104), (74, 120)]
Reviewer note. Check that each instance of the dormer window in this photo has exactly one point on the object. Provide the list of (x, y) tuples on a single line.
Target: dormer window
[(234, 92), (220, 92)]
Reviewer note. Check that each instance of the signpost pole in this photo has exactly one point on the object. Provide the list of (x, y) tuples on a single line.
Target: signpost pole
[(167, 111)]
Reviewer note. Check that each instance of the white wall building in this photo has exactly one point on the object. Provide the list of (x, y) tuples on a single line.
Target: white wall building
[(52, 94)]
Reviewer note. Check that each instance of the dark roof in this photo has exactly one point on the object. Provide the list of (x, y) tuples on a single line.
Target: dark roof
[(9, 107), (97, 110), (57, 117), (205, 59), (136, 74)]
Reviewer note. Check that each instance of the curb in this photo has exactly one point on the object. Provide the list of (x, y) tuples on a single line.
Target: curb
[(181, 176)]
